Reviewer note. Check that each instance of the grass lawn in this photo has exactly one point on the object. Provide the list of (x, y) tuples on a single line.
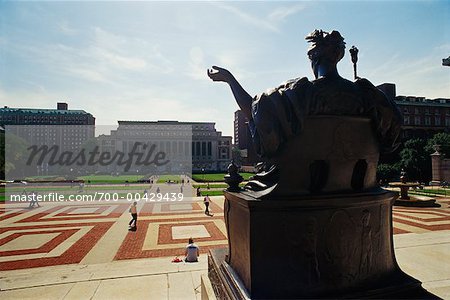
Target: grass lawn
[(426, 192), (164, 178), (2, 194), (110, 179), (214, 185), (216, 177), (211, 193), (49, 177)]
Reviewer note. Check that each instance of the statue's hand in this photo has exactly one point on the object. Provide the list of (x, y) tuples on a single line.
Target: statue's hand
[(220, 74)]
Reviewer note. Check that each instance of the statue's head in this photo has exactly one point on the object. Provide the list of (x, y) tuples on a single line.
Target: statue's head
[(326, 49)]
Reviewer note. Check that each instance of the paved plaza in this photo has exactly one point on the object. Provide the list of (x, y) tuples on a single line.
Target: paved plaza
[(84, 250)]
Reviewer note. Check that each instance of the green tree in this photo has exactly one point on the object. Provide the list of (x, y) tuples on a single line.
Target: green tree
[(88, 146), (2, 155), (442, 139), (416, 160), (13, 162), (236, 156), (387, 173)]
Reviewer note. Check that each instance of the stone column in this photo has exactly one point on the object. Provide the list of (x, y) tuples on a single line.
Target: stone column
[(436, 166)]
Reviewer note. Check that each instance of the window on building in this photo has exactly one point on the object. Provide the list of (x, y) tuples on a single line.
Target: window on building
[(416, 111), (437, 121), (180, 147), (203, 148), (174, 147), (406, 120), (209, 149), (447, 121), (197, 149), (427, 121), (416, 120), (226, 153)]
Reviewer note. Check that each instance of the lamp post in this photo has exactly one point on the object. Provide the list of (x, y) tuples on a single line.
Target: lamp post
[(354, 55)]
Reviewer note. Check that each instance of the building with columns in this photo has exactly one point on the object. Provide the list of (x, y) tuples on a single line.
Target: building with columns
[(196, 143)]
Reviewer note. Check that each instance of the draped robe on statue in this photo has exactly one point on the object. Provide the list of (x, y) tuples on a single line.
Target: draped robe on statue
[(278, 115)]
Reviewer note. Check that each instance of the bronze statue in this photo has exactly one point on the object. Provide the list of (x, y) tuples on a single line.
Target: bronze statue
[(278, 116), (316, 194), (446, 61)]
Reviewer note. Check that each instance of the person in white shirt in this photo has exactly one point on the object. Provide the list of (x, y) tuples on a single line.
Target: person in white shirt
[(192, 251), (132, 226), (206, 200)]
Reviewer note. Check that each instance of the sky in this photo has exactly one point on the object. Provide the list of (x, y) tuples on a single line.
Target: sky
[(147, 60)]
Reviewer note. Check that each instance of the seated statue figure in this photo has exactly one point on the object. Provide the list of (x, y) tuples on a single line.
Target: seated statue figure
[(319, 136)]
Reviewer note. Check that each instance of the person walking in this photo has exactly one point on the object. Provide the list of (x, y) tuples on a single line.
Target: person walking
[(132, 226), (206, 200), (33, 199)]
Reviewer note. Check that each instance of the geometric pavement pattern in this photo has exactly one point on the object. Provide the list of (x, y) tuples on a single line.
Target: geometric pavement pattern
[(63, 233), (156, 223), (419, 220)]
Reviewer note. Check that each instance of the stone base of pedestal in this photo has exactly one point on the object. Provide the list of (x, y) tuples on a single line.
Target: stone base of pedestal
[(323, 246), (206, 289), (227, 285)]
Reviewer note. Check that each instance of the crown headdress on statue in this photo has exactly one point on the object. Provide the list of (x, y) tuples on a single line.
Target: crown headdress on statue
[(326, 41)]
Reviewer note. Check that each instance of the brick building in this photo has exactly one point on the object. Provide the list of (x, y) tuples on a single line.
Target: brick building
[(422, 117), (61, 126)]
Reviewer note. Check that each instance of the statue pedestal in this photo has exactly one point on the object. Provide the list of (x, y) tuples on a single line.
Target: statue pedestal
[(310, 247)]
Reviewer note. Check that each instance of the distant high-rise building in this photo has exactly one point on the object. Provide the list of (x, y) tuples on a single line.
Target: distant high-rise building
[(243, 140), (67, 128), (44, 116)]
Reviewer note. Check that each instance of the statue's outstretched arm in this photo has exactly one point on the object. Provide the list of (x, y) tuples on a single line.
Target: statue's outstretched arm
[(243, 99)]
